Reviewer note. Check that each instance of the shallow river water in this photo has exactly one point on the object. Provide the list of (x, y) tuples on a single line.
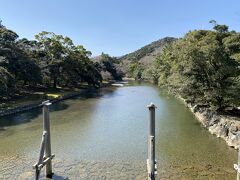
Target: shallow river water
[(103, 135)]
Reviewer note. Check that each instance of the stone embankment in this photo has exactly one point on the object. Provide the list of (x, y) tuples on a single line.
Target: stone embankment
[(38, 104), (223, 126)]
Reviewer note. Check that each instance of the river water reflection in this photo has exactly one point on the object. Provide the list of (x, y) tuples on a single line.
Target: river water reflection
[(110, 125)]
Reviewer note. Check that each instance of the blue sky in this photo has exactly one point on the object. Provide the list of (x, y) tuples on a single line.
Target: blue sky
[(116, 27)]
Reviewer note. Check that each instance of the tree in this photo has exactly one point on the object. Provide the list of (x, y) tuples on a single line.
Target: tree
[(77, 67), (232, 45), (7, 44), (1, 25), (56, 48), (219, 28), (15, 60), (28, 72), (51, 59), (108, 64), (6, 82), (201, 68)]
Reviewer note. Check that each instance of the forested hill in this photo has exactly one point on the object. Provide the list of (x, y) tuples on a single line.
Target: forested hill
[(132, 64), (148, 52), (203, 67)]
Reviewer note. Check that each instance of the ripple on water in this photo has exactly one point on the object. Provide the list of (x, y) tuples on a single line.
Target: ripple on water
[(105, 137)]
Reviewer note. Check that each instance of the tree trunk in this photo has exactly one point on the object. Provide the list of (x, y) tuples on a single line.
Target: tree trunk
[(55, 83), (220, 101)]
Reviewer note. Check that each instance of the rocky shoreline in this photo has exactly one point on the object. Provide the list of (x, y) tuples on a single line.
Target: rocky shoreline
[(223, 126)]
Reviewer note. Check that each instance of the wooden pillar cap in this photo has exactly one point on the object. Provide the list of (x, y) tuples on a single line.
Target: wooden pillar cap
[(151, 105), (46, 103)]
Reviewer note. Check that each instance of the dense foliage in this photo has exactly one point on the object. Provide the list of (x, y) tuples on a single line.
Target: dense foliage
[(203, 67), (109, 67), (135, 64), (49, 61)]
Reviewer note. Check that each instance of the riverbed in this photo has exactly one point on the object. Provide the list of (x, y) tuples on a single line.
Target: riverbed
[(103, 135)]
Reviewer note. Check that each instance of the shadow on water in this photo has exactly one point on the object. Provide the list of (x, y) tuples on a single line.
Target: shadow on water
[(26, 117), (20, 118), (56, 177), (96, 93)]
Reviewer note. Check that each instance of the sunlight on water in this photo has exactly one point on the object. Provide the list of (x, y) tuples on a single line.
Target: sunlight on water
[(111, 125)]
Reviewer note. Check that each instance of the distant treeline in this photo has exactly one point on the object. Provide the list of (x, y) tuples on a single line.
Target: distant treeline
[(203, 67), (50, 60)]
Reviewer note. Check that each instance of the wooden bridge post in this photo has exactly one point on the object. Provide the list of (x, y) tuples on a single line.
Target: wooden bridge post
[(237, 166), (46, 128), (151, 162)]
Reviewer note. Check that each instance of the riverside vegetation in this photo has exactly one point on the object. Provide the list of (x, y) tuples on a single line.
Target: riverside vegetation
[(203, 69), (48, 63)]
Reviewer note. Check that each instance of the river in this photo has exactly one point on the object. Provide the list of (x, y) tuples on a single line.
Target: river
[(103, 135)]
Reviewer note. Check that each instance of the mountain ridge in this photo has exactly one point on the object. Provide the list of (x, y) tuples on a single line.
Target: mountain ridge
[(149, 51)]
